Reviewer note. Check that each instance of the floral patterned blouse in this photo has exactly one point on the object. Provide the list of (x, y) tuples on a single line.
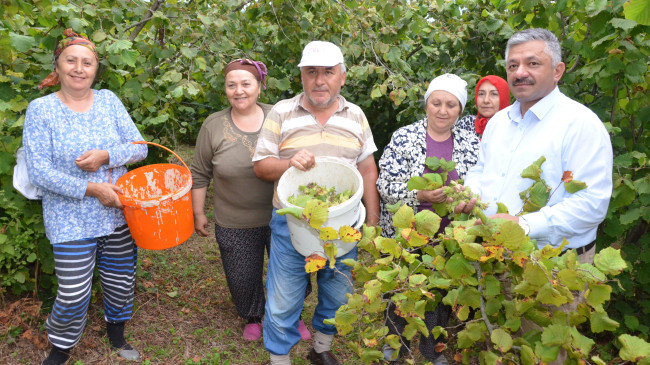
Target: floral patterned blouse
[(53, 137), (404, 158)]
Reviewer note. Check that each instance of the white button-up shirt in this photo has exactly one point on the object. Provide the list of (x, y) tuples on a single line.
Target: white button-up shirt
[(572, 138)]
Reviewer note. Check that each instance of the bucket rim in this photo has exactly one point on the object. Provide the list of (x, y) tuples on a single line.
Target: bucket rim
[(175, 195)]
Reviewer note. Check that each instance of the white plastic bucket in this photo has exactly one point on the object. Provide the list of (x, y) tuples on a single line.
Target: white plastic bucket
[(326, 173)]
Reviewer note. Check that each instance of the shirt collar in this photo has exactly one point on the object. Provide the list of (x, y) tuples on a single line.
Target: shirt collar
[(540, 109)]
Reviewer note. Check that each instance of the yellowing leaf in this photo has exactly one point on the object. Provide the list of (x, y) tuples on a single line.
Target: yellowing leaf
[(314, 262), (404, 217), (501, 339), (328, 234), (567, 176), (492, 252), (331, 251), (349, 234), (609, 261), (416, 239), (634, 348), (316, 213)]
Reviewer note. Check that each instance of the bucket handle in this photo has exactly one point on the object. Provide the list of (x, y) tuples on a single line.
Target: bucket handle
[(164, 148)]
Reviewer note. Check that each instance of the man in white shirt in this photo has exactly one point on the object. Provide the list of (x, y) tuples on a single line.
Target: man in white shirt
[(544, 122)]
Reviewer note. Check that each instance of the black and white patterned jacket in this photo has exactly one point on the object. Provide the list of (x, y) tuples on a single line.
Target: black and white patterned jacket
[(404, 158)]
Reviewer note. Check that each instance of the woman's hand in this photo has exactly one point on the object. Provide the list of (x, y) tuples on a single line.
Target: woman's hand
[(303, 160), (92, 160), (432, 196), (106, 194), (201, 224)]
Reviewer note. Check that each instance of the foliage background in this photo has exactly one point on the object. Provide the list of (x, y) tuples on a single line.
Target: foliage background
[(165, 61)]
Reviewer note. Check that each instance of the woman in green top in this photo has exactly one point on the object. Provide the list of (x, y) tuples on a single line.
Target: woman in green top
[(242, 202)]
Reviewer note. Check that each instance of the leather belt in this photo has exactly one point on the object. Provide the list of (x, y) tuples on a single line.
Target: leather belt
[(583, 249)]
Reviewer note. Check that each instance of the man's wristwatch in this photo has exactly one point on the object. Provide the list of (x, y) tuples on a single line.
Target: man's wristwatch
[(524, 225)]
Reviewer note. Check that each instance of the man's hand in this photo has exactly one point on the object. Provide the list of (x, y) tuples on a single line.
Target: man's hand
[(465, 207), (106, 194), (303, 160), (433, 196), (92, 160)]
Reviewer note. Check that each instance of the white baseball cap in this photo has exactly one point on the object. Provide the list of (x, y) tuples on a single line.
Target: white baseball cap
[(319, 53)]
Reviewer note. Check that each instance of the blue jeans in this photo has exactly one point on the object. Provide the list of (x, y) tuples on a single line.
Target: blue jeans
[(286, 281)]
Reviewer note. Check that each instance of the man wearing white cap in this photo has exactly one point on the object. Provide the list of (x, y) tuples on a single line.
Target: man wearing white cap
[(316, 123)]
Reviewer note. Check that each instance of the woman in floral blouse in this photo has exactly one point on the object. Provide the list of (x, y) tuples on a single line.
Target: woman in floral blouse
[(403, 158), (74, 139)]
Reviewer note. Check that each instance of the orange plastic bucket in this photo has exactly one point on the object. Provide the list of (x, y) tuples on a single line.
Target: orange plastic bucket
[(157, 203)]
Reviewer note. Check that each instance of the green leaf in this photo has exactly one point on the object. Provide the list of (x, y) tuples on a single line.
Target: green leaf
[(434, 181), (625, 24), (571, 279), (581, 343), (427, 222), (458, 267), (387, 276), (417, 183), (129, 56), (556, 335), (501, 339), (534, 171), (21, 43), (510, 235), (20, 277), (416, 280), (547, 294), (117, 46), (433, 163), (601, 322), (296, 212), (609, 261), (528, 356), (574, 186), (472, 251), (598, 294), (633, 348), (172, 294), (637, 10), (502, 209), (98, 36)]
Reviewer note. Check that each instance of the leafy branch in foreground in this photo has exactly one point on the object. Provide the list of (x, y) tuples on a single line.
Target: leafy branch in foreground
[(493, 270)]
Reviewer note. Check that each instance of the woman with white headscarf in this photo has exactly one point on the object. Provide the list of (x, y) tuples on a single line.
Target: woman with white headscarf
[(403, 158)]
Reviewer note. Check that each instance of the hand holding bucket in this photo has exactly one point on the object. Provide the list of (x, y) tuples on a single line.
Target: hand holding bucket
[(157, 203)]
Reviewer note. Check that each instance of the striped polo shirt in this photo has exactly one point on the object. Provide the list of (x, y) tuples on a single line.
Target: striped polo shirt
[(290, 127)]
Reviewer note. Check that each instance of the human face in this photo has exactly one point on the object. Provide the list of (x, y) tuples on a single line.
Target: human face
[(487, 99), (443, 109), (322, 85), (76, 67), (531, 74), (242, 89)]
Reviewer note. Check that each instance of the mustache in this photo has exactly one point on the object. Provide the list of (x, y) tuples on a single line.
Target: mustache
[(525, 81)]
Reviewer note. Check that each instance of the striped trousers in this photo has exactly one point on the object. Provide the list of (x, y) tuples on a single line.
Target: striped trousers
[(115, 256)]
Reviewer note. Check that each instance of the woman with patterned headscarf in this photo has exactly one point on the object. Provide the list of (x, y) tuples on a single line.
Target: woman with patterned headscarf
[(492, 95), (242, 202), (74, 139)]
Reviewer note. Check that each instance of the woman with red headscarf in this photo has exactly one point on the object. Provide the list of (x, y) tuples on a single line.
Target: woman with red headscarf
[(492, 95), (73, 139)]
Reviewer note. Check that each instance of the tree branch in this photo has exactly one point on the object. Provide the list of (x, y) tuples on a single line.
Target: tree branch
[(140, 25), (480, 290)]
